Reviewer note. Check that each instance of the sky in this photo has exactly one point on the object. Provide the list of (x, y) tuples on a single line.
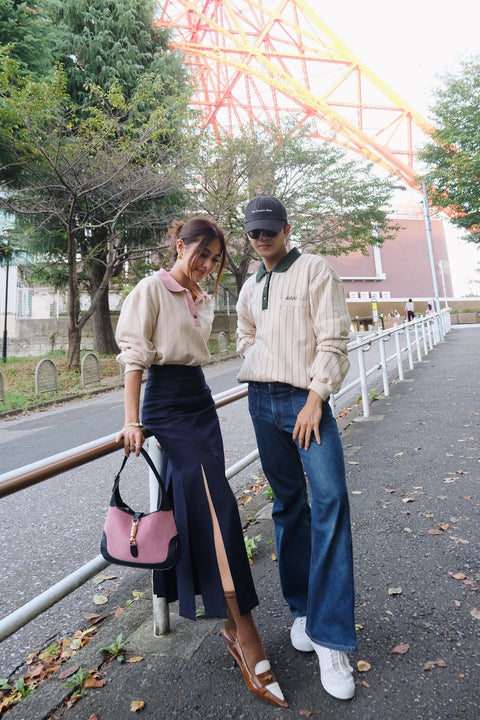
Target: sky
[(409, 44)]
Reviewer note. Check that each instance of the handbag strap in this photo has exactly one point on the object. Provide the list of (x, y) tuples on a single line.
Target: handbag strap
[(163, 503)]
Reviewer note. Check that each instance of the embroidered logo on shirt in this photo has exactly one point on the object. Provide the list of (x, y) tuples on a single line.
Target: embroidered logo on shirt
[(291, 297)]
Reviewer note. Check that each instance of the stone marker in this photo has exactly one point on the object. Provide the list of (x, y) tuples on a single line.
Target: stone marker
[(46, 377), (90, 369), (222, 342)]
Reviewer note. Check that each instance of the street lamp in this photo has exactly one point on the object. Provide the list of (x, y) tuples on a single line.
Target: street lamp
[(6, 253), (4, 350)]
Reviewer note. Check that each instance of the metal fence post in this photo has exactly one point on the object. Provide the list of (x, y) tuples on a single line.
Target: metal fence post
[(424, 336), (399, 356), (363, 383), (383, 362), (417, 343), (409, 348), (161, 615)]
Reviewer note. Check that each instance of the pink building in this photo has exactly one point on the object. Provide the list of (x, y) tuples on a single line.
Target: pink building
[(398, 270)]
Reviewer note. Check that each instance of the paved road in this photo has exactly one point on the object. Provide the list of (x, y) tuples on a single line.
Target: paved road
[(27, 438)]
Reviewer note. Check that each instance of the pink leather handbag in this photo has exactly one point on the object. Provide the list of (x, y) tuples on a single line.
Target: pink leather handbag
[(148, 540)]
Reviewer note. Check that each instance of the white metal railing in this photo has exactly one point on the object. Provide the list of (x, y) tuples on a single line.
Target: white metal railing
[(419, 336)]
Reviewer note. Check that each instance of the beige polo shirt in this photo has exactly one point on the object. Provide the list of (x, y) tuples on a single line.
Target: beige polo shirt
[(293, 325), (161, 323)]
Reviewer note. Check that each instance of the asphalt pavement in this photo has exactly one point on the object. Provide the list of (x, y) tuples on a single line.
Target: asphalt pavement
[(413, 472)]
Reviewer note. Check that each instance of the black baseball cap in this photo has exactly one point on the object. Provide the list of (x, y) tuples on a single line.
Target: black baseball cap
[(265, 212)]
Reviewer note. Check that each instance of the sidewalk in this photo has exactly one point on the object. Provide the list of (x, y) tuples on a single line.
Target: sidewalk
[(414, 479)]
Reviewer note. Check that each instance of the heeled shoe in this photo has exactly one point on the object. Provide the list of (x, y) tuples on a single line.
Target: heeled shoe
[(262, 681)]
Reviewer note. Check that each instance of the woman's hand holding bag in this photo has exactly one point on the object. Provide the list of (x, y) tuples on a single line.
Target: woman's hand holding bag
[(146, 540)]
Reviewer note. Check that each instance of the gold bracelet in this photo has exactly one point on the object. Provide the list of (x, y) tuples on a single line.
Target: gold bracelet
[(136, 424)]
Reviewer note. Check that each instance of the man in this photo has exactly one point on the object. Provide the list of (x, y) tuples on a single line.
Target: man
[(410, 310), (292, 332)]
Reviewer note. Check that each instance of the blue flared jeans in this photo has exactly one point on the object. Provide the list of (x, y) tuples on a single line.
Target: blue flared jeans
[(312, 529)]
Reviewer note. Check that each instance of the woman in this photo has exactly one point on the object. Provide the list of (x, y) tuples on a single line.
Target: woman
[(164, 326)]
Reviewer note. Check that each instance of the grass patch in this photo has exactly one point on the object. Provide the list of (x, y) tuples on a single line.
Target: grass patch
[(19, 379)]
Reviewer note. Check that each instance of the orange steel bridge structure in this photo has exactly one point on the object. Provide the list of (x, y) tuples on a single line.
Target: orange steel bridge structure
[(257, 61)]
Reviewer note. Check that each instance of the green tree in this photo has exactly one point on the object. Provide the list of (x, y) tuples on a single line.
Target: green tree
[(453, 155), (89, 177), (28, 34), (336, 204), (105, 44)]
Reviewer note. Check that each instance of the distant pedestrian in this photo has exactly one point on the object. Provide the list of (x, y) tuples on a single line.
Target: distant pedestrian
[(430, 311), (410, 310)]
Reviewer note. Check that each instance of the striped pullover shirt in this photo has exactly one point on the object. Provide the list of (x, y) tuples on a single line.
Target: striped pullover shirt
[(293, 325)]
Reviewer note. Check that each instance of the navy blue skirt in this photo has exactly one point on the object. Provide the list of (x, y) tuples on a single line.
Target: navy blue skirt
[(179, 411)]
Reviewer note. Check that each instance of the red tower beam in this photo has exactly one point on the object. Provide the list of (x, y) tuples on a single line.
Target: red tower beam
[(254, 61)]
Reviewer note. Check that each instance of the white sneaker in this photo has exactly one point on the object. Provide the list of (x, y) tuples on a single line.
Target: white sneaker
[(335, 672), (299, 637)]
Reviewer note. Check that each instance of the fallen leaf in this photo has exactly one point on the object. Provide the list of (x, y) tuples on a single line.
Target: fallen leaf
[(68, 672), (136, 705), (441, 663), (94, 681), (100, 599), (307, 713), (407, 499), (274, 557), (364, 683), (358, 626), (31, 657), (93, 716), (395, 591), (399, 454), (435, 531), (407, 529), (389, 490), (363, 666), (475, 613), (138, 593), (401, 649), (135, 659), (429, 665), (459, 576), (459, 540), (449, 480), (102, 578)]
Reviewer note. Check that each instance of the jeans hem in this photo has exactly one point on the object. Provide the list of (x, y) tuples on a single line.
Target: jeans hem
[(333, 646)]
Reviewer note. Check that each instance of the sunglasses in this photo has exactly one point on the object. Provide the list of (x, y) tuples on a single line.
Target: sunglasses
[(255, 234)]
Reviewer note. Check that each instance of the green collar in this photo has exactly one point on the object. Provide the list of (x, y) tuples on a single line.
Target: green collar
[(285, 263)]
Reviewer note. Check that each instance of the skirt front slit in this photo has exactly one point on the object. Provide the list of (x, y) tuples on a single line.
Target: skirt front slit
[(179, 411)]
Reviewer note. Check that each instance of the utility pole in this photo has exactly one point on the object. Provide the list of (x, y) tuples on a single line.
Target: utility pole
[(426, 215)]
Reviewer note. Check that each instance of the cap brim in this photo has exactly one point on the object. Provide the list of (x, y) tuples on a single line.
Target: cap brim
[(264, 224)]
